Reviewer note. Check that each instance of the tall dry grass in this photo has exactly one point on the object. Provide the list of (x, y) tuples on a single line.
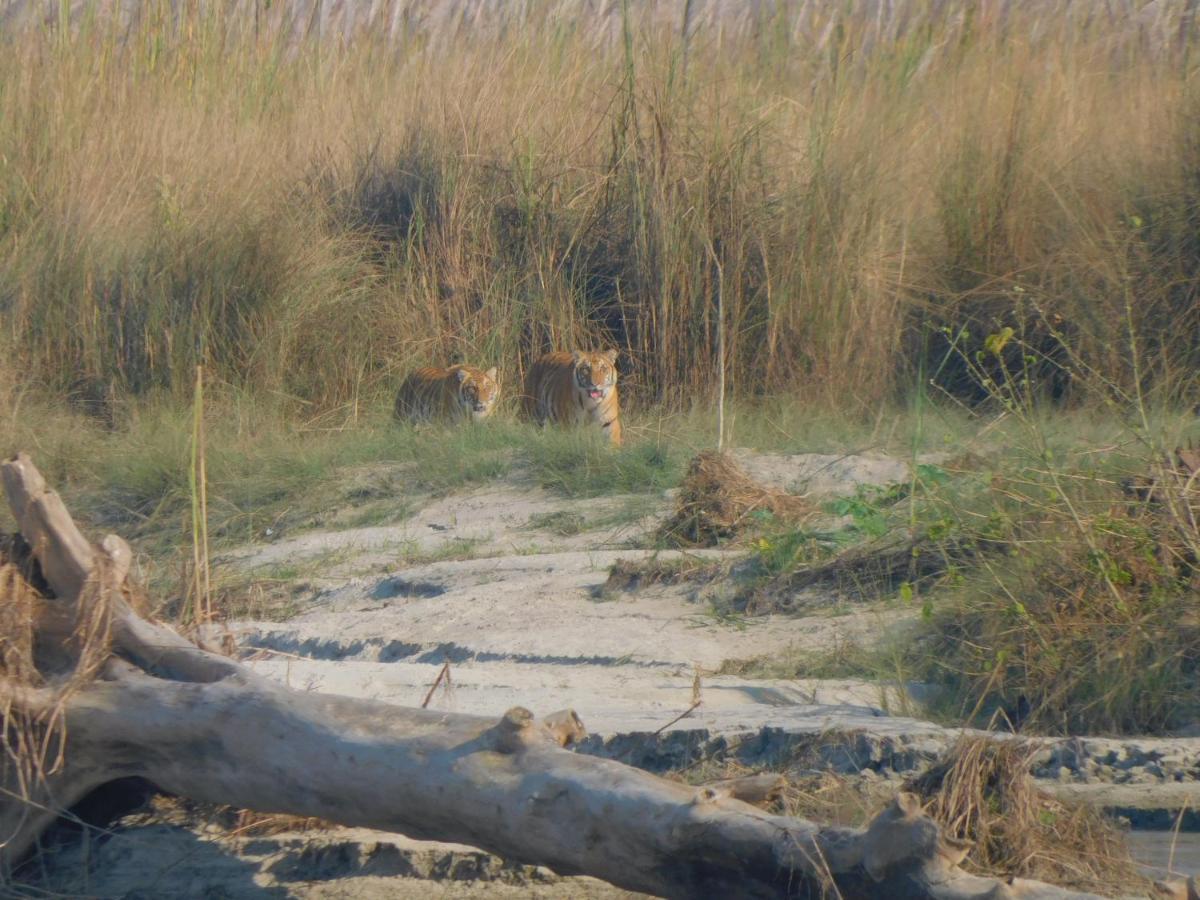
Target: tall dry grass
[(308, 207)]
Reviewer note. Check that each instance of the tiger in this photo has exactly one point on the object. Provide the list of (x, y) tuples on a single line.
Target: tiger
[(575, 388), (457, 393)]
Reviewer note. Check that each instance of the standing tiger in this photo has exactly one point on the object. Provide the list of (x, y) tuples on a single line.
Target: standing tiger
[(575, 388), (459, 392)]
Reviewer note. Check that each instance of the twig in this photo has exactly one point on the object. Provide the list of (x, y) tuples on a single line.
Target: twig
[(683, 715), (443, 674), (1175, 838)]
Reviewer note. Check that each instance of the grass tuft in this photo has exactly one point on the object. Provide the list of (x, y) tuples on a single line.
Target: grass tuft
[(718, 500), (981, 792)]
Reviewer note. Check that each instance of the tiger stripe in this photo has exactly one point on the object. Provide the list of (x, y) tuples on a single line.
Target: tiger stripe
[(577, 388), (430, 394)]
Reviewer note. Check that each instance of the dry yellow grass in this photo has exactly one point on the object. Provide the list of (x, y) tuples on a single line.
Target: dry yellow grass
[(717, 500), (982, 793), (310, 219)]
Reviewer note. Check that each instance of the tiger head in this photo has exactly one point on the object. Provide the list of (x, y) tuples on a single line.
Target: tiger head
[(477, 391), (596, 373)]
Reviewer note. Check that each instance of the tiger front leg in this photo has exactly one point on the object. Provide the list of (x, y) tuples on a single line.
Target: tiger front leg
[(613, 429)]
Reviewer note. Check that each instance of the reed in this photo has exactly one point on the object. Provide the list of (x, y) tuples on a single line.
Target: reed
[(200, 608), (312, 216), (795, 206)]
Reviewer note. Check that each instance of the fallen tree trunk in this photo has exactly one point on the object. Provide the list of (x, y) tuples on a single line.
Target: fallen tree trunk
[(194, 723)]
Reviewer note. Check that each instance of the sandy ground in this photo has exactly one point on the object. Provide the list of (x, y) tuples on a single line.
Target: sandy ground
[(492, 583), (527, 620), (144, 861)]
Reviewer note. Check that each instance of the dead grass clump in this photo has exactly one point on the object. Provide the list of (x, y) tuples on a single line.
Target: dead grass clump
[(22, 591), (74, 643), (838, 799), (253, 824), (231, 821), (717, 500), (627, 575), (32, 739), (981, 792)]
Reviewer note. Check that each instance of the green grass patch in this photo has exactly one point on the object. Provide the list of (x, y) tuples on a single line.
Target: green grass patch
[(412, 554), (1047, 573), (571, 522), (1085, 622), (578, 463), (842, 662), (563, 522), (1051, 564)]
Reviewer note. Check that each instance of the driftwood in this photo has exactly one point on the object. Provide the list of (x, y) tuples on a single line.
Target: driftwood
[(200, 725)]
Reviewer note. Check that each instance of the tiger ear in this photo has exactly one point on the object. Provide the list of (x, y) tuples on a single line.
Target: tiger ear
[(461, 375), (611, 356), (491, 373), (576, 357)]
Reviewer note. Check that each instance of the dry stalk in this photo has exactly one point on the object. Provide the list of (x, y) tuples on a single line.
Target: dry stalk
[(37, 678), (442, 676), (198, 483), (982, 793)]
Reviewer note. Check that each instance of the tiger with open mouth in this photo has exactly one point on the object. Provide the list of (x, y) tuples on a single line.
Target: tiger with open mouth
[(576, 388)]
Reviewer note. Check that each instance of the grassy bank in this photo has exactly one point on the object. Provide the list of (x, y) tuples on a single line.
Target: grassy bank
[(935, 230), (1049, 563), (261, 462), (1045, 554), (868, 196), (268, 473)]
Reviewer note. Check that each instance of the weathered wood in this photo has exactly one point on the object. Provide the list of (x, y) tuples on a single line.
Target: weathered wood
[(202, 726), (755, 789), (66, 557)]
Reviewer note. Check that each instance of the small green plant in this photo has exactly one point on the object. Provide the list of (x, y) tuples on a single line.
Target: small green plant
[(867, 508), (779, 552), (571, 522), (562, 522)]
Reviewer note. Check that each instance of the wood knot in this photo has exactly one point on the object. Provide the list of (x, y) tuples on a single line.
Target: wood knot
[(565, 727), (514, 731), (900, 837), (759, 790)]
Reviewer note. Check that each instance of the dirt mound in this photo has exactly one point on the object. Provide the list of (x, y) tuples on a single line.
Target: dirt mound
[(717, 499)]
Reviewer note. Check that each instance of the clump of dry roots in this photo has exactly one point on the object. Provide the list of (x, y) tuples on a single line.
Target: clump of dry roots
[(717, 499), (982, 793), (22, 591), (32, 736)]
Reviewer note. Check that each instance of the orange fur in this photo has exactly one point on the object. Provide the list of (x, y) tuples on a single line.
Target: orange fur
[(578, 388), (459, 392)]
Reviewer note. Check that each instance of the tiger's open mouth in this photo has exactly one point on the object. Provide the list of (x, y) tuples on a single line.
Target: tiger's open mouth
[(595, 393)]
